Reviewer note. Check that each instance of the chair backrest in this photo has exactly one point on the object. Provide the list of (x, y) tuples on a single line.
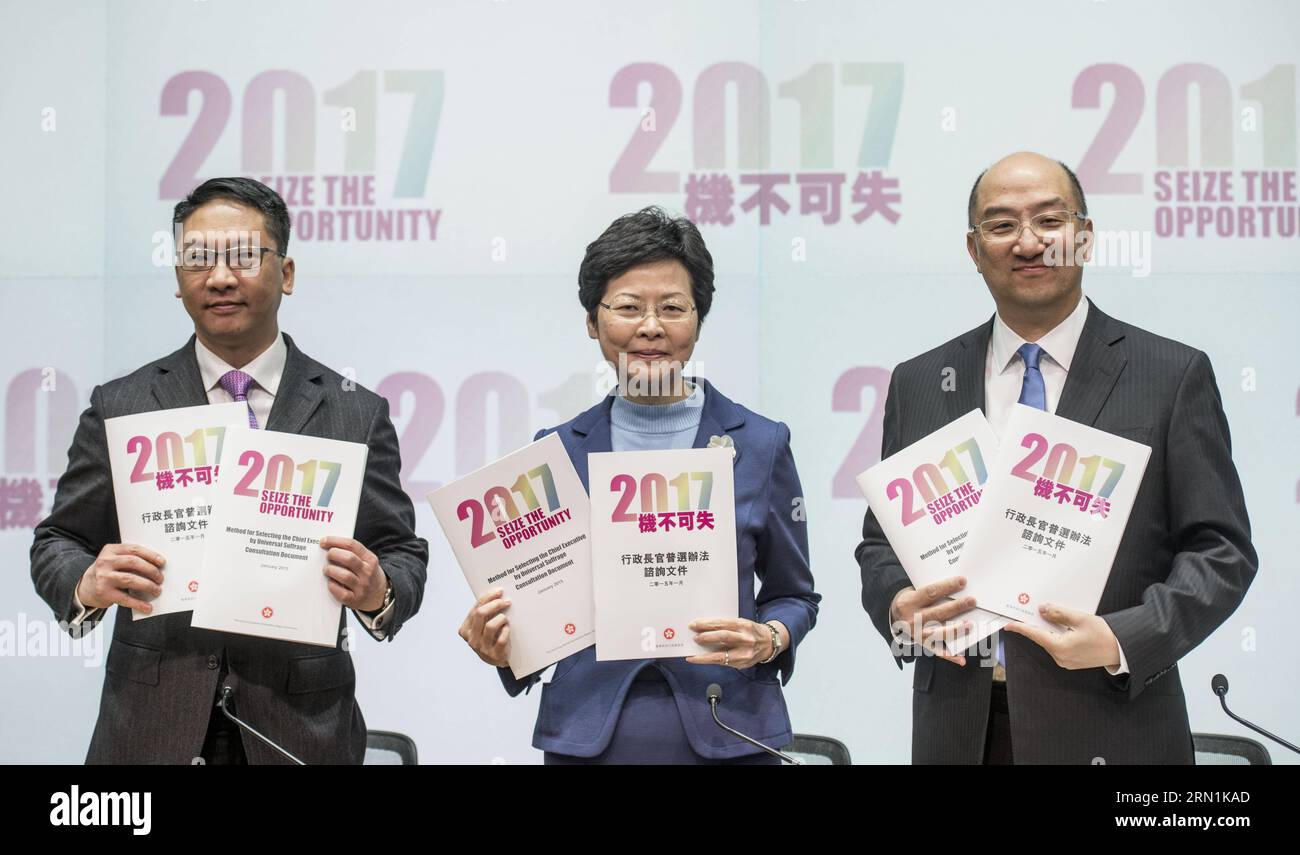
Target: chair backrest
[(386, 748), (1217, 749), (819, 750)]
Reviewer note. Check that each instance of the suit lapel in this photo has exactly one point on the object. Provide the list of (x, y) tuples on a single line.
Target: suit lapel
[(592, 428), (967, 357), (720, 416), (300, 392), (179, 383), (1096, 366)]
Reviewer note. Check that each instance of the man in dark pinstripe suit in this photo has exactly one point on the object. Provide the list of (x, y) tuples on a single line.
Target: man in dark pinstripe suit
[(163, 676), (1103, 688)]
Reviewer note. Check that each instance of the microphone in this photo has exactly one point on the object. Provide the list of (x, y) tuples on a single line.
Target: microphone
[(1219, 684), (226, 694), (714, 693)]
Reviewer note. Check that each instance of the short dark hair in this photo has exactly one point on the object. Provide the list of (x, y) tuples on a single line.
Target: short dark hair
[(246, 191), (644, 237), (1074, 185)]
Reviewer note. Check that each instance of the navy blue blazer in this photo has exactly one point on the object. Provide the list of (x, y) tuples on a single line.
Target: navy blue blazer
[(581, 704)]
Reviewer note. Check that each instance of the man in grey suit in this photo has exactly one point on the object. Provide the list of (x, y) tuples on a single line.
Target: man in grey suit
[(1102, 688), (163, 676)]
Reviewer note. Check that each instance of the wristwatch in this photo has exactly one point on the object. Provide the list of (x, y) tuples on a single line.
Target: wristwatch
[(388, 598), (776, 643)]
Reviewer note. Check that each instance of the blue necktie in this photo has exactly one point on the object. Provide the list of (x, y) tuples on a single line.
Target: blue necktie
[(1033, 393)]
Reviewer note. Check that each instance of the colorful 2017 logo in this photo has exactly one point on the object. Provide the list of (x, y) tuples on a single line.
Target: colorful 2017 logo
[(502, 504), (1062, 461), (281, 472), (170, 451), (929, 481), (653, 488), (813, 91), (359, 94), (1275, 91)]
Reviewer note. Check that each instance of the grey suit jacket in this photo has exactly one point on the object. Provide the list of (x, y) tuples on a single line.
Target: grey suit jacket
[(1183, 565), (162, 674)]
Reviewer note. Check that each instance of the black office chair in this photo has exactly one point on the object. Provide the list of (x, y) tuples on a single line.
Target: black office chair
[(1217, 749), (819, 750), (386, 748)]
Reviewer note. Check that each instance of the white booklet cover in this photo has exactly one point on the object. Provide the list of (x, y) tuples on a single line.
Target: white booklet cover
[(523, 524), (165, 466), (663, 548), (263, 567), (1057, 501), (927, 497)]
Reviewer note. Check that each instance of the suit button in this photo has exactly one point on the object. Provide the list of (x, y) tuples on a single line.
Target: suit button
[(213, 663)]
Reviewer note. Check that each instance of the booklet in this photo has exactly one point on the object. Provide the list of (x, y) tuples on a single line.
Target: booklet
[(1057, 501), (927, 498), (263, 565), (663, 548), (165, 466), (523, 524)]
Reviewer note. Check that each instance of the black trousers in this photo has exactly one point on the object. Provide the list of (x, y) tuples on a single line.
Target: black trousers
[(223, 745), (997, 740)]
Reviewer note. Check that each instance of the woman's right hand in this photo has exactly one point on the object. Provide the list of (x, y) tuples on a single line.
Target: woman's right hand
[(487, 630)]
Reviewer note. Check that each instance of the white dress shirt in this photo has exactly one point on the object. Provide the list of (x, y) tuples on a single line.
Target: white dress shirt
[(1004, 375), (266, 369)]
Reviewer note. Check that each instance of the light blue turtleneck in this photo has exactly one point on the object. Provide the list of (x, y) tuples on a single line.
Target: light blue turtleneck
[(656, 427)]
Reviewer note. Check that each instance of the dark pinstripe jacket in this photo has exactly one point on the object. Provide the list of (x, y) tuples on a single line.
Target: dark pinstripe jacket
[(162, 674), (1183, 565)]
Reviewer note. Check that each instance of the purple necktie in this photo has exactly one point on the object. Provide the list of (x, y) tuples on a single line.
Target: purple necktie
[(236, 383)]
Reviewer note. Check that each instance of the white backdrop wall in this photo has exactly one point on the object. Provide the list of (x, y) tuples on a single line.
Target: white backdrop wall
[(826, 149)]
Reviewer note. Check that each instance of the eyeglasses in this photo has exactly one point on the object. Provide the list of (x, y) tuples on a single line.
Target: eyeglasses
[(634, 312), (245, 259), (1048, 225)]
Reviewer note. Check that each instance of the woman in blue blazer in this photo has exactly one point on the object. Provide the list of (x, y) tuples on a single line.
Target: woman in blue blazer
[(647, 284)]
